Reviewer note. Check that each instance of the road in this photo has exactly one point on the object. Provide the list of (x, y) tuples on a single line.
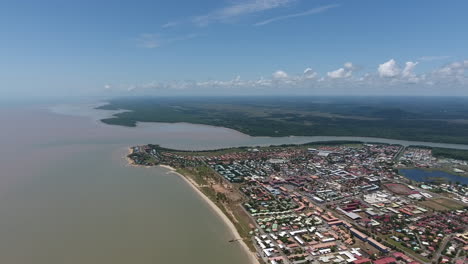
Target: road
[(442, 247)]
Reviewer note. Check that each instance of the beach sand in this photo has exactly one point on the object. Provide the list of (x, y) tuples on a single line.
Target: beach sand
[(212, 205), (129, 160), (218, 211)]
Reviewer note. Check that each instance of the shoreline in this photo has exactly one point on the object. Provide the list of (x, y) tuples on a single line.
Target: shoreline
[(321, 138), (194, 186), (218, 211), (129, 160)]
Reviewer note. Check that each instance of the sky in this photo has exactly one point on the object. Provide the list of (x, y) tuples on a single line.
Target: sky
[(233, 47)]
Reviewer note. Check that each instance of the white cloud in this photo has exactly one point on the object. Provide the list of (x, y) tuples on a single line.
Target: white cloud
[(408, 70), (107, 86), (337, 74), (280, 75), (312, 11), (349, 66), (389, 69), (390, 79), (309, 73), (239, 9), (454, 69), (345, 72)]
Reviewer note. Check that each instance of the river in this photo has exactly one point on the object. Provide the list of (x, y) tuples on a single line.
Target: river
[(68, 196)]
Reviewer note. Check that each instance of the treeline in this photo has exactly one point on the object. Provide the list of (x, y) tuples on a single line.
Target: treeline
[(263, 119), (450, 153)]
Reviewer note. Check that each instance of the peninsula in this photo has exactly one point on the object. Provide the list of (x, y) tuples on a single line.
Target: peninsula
[(329, 202)]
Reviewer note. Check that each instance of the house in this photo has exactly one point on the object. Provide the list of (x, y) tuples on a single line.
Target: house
[(388, 260)]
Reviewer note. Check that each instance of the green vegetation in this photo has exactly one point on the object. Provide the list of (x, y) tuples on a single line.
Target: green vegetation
[(216, 152), (406, 250), (204, 176), (222, 151), (407, 118), (450, 153)]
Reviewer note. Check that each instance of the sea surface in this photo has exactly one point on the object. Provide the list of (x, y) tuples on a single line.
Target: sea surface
[(421, 175), (68, 196)]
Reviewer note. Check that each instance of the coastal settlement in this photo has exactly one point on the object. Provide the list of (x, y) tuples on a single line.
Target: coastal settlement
[(330, 203)]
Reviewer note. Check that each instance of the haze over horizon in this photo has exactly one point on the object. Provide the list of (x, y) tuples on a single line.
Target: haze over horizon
[(245, 47)]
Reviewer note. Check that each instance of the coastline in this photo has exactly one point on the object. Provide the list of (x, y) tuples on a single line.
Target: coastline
[(233, 230), (217, 210), (129, 160)]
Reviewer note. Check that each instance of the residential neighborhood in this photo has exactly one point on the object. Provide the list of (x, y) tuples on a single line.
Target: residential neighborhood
[(337, 203)]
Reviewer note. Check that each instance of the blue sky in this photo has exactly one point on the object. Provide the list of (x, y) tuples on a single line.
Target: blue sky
[(57, 48)]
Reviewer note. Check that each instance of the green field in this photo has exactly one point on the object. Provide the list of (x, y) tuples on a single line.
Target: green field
[(408, 118)]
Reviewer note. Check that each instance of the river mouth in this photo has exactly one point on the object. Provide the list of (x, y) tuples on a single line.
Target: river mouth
[(211, 137), (67, 195)]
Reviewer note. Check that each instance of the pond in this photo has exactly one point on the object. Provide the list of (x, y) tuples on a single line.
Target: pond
[(421, 175)]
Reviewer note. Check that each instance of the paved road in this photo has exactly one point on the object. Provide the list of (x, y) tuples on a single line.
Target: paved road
[(442, 246)]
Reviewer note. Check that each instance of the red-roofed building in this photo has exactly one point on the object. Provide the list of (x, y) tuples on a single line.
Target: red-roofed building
[(362, 261), (399, 255), (388, 260)]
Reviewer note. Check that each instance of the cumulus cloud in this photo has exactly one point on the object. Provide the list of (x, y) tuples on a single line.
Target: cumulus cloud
[(349, 66), (338, 74), (345, 72), (454, 69), (310, 74), (389, 69), (280, 75), (408, 70), (389, 79)]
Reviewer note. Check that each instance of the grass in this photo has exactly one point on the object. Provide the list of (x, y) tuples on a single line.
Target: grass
[(408, 251), (434, 206), (449, 203), (197, 177), (202, 176), (443, 204)]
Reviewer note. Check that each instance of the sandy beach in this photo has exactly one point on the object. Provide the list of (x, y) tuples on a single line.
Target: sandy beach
[(212, 205), (218, 211), (129, 160)]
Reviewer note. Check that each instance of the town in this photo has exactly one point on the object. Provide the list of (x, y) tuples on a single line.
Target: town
[(331, 203)]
